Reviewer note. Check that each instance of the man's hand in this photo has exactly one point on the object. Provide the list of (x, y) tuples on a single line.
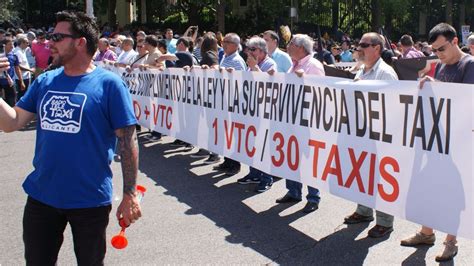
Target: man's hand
[(22, 86), (423, 80), (252, 62), (129, 209), (299, 72)]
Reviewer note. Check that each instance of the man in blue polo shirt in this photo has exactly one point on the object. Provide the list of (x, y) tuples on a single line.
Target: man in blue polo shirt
[(81, 111)]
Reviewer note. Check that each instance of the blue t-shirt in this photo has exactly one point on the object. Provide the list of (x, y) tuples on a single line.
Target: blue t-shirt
[(14, 62), (75, 137)]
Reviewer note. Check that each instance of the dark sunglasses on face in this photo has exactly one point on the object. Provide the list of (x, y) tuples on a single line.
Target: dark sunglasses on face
[(57, 37), (441, 48), (365, 45)]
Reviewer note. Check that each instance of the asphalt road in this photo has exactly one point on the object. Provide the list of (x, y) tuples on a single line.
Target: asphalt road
[(193, 215)]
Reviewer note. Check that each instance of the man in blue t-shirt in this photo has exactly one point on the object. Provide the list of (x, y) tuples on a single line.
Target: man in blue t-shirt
[(81, 111), (7, 83)]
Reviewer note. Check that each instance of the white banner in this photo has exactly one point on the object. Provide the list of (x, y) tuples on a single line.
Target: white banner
[(384, 144)]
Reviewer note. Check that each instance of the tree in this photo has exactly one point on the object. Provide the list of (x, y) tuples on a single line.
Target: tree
[(9, 13), (112, 17)]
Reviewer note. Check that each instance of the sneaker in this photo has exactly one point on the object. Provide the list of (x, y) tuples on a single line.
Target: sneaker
[(212, 159), (202, 153), (310, 207), (177, 143), (419, 239), (287, 199), (356, 218), (263, 186), (248, 180), (380, 231), (449, 252)]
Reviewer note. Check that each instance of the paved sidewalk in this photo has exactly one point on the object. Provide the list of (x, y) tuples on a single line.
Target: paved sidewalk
[(193, 215)]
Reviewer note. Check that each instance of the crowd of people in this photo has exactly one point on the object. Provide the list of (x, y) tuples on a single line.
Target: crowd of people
[(33, 53)]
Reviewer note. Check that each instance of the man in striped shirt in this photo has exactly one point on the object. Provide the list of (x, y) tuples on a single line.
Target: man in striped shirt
[(231, 61), (258, 60)]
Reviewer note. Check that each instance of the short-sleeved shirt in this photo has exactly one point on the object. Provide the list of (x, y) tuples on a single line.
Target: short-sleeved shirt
[(171, 45), (107, 55), (267, 64), (412, 53), (184, 59), (209, 58), (126, 57), (460, 72), (152, 56), (42, 53), (346, 56), (75, 137), (234, 60), (22, 61), (380, 71), (309, 65), (14, 62), (282, 59)]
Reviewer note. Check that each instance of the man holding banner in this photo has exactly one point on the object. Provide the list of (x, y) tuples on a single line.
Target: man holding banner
[(456, 67), (373, 68), (300, 49), (258, 60)]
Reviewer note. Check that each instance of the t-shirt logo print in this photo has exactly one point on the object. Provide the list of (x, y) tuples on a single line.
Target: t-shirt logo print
[(62, 111)]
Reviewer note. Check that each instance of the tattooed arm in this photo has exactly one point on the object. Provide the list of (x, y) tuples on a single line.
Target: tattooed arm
[(129, 208)]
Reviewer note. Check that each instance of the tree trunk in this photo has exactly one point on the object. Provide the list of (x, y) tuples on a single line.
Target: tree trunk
[(376, 9), (422, 23), (335, 16), (221, 16), (111, 13), (449, 12)]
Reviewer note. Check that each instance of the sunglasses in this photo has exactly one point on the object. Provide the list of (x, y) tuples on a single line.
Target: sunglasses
[(365, 45), (441, 48), (253, 49), (57, 37)]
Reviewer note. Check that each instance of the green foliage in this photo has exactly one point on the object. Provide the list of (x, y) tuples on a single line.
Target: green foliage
[(8, 11)]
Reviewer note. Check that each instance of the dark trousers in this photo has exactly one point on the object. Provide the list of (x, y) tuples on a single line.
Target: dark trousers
[(43, 228), (9, 94), (20, 92)]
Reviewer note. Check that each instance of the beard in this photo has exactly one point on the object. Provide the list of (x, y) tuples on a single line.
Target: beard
[(63, 58)]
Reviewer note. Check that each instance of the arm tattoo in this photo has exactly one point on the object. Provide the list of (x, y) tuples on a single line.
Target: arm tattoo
[(127, 144)]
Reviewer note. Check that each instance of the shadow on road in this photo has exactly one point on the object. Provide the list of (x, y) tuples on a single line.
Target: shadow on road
[(266, 232)]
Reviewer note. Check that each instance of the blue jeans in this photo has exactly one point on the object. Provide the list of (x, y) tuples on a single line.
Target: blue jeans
[(294, 190), (264, 177)]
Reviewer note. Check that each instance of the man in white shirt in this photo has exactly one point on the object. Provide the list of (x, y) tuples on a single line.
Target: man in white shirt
[(128, 54), (20, 52)]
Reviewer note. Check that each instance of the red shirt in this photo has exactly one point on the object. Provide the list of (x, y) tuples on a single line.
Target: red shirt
[(41, 52)]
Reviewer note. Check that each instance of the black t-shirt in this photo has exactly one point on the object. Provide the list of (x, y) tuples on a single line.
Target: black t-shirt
[(184, 59), (209, 58), (460, 72)]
